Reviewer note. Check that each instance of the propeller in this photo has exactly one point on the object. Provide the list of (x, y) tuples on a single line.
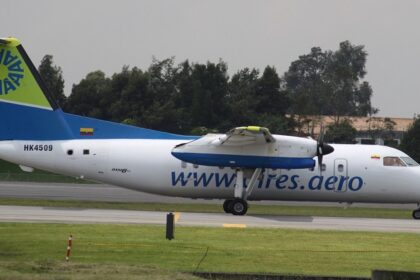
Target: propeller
[(322, 148)]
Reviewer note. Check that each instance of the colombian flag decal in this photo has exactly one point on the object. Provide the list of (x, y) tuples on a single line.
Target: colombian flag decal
[(86, 131), (375, 156)]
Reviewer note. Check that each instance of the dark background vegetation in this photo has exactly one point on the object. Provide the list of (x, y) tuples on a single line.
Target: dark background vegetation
[(194, 98)]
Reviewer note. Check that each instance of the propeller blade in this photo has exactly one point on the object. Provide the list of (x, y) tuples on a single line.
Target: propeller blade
[(322, 148)]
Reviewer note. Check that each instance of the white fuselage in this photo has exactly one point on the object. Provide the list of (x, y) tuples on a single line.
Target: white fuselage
[(353, 173)]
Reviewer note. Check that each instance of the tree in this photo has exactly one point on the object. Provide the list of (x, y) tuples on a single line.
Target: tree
[(241, 97), (269, 98), (305, 85), (209, 88), (87, 97), (330, 83), (53, 79), (342, 132), (162, 113), (411, 141), (258, 100), (345, 69)]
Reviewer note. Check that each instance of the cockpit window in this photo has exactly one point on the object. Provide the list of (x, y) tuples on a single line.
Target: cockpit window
[(393, 161), (409, 161)]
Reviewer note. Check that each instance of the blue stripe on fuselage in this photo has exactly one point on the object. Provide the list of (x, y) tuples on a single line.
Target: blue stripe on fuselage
[(248, 161)]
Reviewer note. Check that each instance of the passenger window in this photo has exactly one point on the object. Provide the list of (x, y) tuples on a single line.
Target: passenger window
[(195, 165), (393, 161), (70, 152), (323, 167), (85, 152), (340, 168)]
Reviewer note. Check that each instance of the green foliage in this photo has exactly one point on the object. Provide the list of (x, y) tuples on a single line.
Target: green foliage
[(129, 122), (89, 96), (202, 130), (259, 100), (329, 83), (342, 132), (411, 141), (53, 79), (186, 97)]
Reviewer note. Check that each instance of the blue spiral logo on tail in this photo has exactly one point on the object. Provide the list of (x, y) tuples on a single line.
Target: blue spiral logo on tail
[(11, 72)]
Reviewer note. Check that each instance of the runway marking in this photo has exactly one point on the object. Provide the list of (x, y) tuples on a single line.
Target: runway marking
[(177, 216), (234, 225)]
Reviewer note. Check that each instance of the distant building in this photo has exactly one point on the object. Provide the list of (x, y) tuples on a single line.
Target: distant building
[(370, 130)]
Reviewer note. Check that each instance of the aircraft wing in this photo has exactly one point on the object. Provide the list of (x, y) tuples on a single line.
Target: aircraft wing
[(246, 135), (248, 147)]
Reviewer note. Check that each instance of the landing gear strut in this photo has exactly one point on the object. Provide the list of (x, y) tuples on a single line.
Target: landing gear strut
[(239, 205)]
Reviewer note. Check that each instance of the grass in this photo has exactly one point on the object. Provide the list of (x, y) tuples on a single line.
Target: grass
[(283, 210), (37, 251)]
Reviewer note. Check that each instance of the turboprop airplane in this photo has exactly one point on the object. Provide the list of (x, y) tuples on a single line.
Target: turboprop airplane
[(247, 163)]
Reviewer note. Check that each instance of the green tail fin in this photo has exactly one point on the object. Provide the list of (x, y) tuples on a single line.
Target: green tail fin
[(20, 82)]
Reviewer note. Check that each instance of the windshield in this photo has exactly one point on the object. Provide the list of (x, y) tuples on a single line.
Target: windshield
[(409, 161), (393, 161)]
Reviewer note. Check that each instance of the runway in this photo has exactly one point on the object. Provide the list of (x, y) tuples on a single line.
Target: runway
[(67, 215)]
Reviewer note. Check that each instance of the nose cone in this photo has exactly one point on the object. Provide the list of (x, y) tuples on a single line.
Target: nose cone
[(327, 149)]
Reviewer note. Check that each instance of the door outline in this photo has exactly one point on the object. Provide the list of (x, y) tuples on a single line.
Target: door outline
[(340, 174)]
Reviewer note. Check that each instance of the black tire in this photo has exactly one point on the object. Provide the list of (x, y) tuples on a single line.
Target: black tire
[(227, 206), (416, 214), (238, 207)]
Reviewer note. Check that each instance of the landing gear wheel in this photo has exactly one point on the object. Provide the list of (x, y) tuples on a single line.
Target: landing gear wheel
[(238, 207), (416, 214), (227, 205)]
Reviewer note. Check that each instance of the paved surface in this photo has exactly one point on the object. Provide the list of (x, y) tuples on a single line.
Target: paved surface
[(99, 192), (66, 215)]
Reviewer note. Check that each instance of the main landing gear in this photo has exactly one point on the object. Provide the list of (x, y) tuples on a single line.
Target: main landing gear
[(235, 206), (239, 205), (416, 214)]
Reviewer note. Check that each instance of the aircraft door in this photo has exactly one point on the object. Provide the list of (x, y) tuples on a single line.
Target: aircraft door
[(341, 172), (94, 160)]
